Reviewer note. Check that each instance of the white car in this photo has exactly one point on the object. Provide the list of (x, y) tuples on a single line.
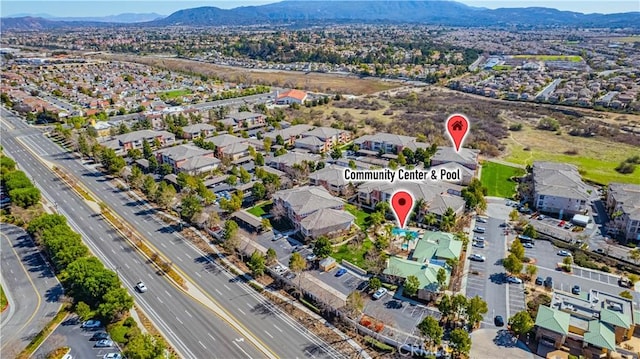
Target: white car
[(527, 245), (91, 324), (477, 258), (481, 220), (514, 280), (563, 253), (380, 293), (141, 287), (67, 356), (112, 356)]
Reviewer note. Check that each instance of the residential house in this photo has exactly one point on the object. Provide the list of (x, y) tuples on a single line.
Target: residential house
[(188, 158), (327, 138), (430, 254), (623, 205), (132, 140), (466, 173), (235, 151), (290, 97), (102, 128), (437, 196), (466, 157), (311, 144), (596, 322), (332, 178), (287, 161), (223, 141), (386, 143), (289, 134), (302, 205), (198, 130), (558, 189), (248, 120)]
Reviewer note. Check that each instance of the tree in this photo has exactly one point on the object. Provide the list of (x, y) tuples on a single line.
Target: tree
[(191, 207), (115, 302), (531, 270), (257, 264), (474, 194), (448, 220), (459, 304), (245, 176), (626, 294), (521, 323), (355, 303), (259, 159), (375, 283), (230, 236), (165, 194), (145, 346), (259, 190), (476, 309), (567, 261), (147, 152), (322, 248), (431, 329), (83, 311), (265, 223), (411, 285), (445, 306), (634, 255), (336, 153), (297, 263), (530, 232), (272, 256), (441, 277), (512, 264), (149, 186), (517, 249), (460, 341), (25, 197), (89, 281), (514, 215)]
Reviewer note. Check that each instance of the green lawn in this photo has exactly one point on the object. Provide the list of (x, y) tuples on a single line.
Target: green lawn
[(353, 256), (170, 95), (361, 216), (572, 58), (496, 177), (3, 300), (261, 209), (502, 68)]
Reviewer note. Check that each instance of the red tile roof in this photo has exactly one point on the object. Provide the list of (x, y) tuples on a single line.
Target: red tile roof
[(297, 94)]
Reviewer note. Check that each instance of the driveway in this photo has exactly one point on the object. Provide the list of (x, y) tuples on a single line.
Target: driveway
[(402, 314), (497, 343)]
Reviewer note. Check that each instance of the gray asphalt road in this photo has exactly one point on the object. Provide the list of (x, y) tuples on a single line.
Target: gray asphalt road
[(32, 289), (283, 334), (193, 330)]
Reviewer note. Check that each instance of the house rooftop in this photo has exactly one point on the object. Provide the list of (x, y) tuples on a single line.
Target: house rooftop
[(323, 132), (297, 94), (606, 307), (449, 154), (427, 274), (291, 158), (308, 199), (559, 179), (553, 320), (225, 140), (198, 127), (626, 196), (241, 116), (181, 152), (600, 335), (326, 217)]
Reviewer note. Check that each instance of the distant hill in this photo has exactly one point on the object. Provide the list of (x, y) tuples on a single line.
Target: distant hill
[(301, 12)]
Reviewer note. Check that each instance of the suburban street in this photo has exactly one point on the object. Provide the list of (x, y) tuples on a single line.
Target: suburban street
[(268, 324), (191, 328), (31, 287)]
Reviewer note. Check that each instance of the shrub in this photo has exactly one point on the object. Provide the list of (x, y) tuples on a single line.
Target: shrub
[(119, 333), (378, 345)]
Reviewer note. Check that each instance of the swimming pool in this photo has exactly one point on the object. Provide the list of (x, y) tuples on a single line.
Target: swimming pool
[(403, 232)]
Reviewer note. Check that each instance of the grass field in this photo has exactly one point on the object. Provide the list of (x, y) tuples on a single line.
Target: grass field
[(295, 79), (596, 158), (3, 300), (634, 38), (361, 216), (261, 209), (497, 178), (170, 95), (572, 58), (353, 256), (502, 68)]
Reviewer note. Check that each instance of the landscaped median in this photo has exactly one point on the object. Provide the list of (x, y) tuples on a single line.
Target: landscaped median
[(4, 303), (44, 333)]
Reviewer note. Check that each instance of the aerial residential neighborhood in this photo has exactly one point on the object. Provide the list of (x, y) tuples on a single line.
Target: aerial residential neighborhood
[(222, 182)]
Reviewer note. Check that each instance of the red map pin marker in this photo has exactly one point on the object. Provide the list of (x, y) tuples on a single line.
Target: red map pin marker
[(402, 204), (457, 128)]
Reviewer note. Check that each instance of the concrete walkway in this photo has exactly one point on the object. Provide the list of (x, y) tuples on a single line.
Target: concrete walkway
[(494, 343)]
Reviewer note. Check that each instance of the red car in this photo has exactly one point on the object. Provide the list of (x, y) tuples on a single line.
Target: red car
[(561, 223)]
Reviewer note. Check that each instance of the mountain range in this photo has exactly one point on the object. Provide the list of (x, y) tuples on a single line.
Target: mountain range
[(305, 12)]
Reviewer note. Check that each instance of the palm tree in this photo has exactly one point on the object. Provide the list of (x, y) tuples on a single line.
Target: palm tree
[(421, 206), (430, 219)]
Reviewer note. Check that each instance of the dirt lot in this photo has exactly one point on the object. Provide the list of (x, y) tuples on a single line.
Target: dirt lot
[(331, 83)]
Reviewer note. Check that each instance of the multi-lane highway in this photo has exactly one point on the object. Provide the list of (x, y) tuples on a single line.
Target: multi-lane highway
[(275, 329), (31, 287)]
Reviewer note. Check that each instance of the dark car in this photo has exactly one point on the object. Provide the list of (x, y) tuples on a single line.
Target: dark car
[(498, 321), (576, 289), (341, 272), (99, 336), (548, 282), (539, 281)]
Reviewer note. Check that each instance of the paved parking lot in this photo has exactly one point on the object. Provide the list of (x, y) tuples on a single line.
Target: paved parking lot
[(397, 312), (345, 284), (71, 335)]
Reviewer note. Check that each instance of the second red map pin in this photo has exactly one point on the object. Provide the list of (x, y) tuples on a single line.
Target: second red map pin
[(457, 128), (402, 204)]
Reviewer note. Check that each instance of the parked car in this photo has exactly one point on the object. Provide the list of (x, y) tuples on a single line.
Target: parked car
[(380, 293), (112, 356), (514, 280), (341, 272), (311, 257), (477, 258), (479, 229), (91, 324), (478, 244), (104, 343), (99, 336), (481, 220), (548, 282), (563, 253), (576, 289), (599, 251), (141, 287), (539, 281), (624, 282), (541, 217), (67, 356), (498, 321), (479, 239), (561, 224), (527, 245)]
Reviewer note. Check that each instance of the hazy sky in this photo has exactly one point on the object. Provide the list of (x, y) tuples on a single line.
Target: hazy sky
[(113, 7)]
